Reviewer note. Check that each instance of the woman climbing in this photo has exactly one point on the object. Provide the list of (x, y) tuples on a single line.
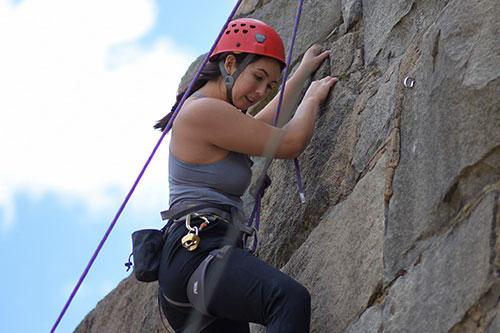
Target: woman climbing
[(208, 281)]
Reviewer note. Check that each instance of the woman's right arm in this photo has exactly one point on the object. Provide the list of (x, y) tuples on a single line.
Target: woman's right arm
[(312, 59), (220, 124), (300, 127)]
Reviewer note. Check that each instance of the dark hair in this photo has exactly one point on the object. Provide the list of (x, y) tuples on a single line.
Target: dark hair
[(209, 72)]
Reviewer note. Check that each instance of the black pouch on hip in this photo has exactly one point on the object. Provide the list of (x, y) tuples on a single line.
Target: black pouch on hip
[(147, 247)]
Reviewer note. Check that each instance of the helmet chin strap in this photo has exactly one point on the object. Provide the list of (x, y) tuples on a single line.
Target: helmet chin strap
[(230, 79)]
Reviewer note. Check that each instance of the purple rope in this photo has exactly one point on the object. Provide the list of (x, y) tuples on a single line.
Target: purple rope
[(288, 61), (259, 195), (122, 207), (257, 222), (254, 210), (300, 185)]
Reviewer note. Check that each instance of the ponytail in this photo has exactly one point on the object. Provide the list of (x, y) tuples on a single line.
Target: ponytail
[(209, 72)]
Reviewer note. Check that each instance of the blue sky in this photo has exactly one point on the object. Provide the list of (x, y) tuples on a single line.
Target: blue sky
[(81, 84)]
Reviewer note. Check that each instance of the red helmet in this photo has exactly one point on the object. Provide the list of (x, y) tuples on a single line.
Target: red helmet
[(246, 35)]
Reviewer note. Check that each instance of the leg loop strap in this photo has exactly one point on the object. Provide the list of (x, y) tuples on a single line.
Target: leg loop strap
[(196, 291)]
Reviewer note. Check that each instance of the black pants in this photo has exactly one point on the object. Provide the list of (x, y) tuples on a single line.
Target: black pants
[(240, 288)]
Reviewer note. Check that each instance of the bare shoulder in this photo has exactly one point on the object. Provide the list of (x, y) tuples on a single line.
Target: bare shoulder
[(205, 109), (214, 122), (210, 116)]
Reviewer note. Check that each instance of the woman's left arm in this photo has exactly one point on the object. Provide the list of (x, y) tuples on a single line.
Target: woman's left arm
[(312, 59)]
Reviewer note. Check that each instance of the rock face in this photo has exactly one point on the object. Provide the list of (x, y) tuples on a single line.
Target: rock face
[(401, 228)]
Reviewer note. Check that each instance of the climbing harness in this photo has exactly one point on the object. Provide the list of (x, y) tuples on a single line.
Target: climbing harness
[(192, 239), (148, 243)]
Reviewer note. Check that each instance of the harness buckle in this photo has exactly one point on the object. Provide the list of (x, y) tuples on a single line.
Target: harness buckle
[(191, 240)]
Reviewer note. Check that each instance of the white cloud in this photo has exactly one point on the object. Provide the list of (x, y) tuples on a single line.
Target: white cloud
[(78, 98), (7, 205)]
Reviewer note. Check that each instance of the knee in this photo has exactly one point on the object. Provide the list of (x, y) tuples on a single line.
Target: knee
[(291, 306), (293, 295), (300, 297)]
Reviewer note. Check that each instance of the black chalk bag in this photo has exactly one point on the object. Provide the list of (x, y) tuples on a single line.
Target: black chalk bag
[(147, 247)]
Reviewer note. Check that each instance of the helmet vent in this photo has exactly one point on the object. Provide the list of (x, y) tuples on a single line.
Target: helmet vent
[(228, 31), (243, 24), (245, 31), (252, 26), (236, 30), (260, 38), (233, 25)]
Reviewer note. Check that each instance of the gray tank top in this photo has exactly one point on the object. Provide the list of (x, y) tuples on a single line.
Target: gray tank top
[(221, 182)]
